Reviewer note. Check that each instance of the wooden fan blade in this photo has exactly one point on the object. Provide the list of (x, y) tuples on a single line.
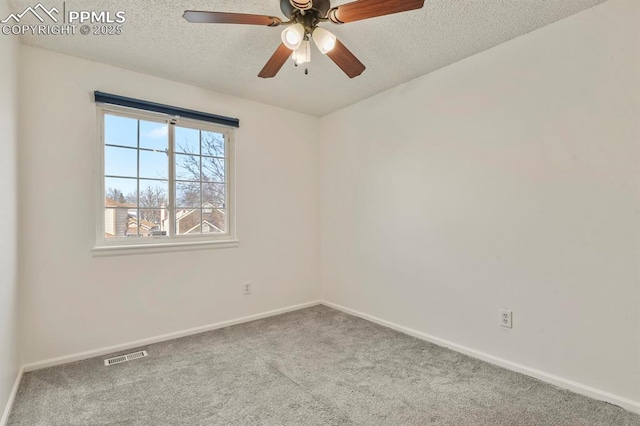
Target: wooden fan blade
[(276, 62), (346, 60), (201, 17), (365, 9)]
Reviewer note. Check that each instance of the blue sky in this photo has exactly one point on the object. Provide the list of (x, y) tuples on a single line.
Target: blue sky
[(123, 162)]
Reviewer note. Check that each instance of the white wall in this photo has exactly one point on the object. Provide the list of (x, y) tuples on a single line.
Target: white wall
[(9, 317), (508, 180), (75, 302)]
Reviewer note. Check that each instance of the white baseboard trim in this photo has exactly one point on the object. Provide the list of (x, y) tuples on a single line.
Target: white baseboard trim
[(580, 388), (164, 337), (12, 397)]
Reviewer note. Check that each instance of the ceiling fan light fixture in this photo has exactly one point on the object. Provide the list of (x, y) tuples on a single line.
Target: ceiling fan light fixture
[(293, 36), (302, 54), (325, 40)]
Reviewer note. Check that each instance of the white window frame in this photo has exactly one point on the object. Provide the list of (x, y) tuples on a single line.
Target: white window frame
[(172, 242)]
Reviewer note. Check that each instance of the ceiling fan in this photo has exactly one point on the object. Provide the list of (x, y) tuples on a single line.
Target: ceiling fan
[(304, 17)]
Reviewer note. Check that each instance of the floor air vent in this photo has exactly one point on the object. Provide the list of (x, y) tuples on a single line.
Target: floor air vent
[(124, 358)]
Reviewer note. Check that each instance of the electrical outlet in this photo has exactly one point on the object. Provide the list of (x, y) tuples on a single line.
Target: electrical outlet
[(506, 317), (246, 288)]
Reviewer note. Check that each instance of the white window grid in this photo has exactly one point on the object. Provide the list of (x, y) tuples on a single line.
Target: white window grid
[(171, 208)]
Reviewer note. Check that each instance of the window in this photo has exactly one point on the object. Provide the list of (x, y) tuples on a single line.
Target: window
[(164, 181)]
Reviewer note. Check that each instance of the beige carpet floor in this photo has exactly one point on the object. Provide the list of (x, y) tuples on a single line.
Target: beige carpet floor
[(316, 366)]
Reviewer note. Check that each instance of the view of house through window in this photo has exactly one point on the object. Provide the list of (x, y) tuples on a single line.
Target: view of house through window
[(163, 180)]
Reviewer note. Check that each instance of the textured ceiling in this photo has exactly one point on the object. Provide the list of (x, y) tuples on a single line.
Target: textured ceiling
[(227, 58)]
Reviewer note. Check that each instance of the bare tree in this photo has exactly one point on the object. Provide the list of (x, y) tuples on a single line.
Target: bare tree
[(151, 199), (208, 169), (155, 198), (116, 195)]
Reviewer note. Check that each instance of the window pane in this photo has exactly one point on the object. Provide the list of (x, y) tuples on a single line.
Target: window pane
[(213, 195), (188, 167), (213, 169), (154, 165), (187, 194), (121, 192), (153, 222), (115, 222), (137, 186), (187, 140), (120, 161), (213, 144), (188, 221), (154, 135), (153, 193), (214, 221), (120, 131)]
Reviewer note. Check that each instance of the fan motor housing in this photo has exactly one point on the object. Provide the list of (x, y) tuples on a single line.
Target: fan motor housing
[(321, 7)]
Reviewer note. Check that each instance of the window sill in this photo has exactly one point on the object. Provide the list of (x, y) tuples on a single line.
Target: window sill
[(130, 249)]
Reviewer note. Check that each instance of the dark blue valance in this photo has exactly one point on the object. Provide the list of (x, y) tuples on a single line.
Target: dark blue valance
[(107, 98)]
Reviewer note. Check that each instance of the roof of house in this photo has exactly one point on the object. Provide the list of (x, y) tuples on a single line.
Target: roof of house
[(187, 222), (109, 202)]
